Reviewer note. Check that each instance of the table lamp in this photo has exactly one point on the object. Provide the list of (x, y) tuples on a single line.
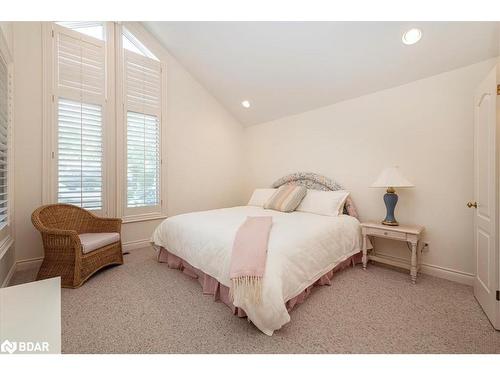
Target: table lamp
[(391, 178)]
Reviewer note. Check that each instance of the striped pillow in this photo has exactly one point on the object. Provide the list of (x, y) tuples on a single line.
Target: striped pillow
[(286, 198)]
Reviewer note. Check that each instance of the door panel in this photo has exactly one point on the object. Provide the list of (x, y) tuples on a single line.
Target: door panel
[(483, 156), (483, 255), (485, 194)]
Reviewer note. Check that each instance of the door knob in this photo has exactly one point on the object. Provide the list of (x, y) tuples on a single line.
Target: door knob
[(472, 204)]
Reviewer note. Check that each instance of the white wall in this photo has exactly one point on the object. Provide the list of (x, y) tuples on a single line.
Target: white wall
[(425, 127), (203, 150), (28, 135)]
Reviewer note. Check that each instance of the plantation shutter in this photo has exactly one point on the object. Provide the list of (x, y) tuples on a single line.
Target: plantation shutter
[(4, 131), (80, 154), (80, 87), (143, 88)]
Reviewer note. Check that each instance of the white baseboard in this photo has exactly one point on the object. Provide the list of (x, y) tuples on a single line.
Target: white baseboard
[(137, 244), (11, 273), (26, 264), (447, 273), (425, 268), (22, 265), (434, 270)]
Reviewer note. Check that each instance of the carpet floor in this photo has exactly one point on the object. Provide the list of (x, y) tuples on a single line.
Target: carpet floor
[(145, 307)]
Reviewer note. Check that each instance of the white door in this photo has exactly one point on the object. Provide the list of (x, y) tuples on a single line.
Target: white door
[(485, 197)]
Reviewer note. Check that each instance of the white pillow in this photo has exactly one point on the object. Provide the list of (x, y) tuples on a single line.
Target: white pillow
[(328, 203), (260, 196)]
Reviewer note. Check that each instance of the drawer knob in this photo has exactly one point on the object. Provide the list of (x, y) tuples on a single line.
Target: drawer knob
[(385, 233)]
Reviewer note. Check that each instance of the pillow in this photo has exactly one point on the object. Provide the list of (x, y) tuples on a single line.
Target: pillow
[(260, 196), (328, 203), (286, 198)]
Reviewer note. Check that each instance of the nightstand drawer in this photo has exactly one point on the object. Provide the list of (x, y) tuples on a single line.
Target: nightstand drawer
[(386, 233)]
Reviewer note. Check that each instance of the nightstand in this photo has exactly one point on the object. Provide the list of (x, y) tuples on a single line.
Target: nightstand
[(411, 234)]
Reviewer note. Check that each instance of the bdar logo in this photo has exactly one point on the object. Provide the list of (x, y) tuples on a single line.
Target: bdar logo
[(8, 347)]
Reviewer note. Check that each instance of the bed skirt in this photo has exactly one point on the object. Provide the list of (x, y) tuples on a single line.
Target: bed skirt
[(220, 292)]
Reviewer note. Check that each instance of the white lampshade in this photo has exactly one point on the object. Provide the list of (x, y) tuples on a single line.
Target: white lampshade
[(391, 177)]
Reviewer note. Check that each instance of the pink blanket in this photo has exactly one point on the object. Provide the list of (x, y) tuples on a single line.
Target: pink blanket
[(248, 259)]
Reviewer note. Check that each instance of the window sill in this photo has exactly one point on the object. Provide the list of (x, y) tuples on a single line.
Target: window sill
[(145, 217)]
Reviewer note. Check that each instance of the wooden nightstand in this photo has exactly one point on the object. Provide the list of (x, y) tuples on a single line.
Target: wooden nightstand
[(410, 234)]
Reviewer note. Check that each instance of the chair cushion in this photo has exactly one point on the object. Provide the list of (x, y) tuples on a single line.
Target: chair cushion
[(94, 241)]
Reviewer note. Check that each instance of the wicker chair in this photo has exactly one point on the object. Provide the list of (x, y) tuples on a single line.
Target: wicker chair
[(60, 226)]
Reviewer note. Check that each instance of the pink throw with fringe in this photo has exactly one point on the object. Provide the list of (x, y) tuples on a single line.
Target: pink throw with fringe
[(248, 259)]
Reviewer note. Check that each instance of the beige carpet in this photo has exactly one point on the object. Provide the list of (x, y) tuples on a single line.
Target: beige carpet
[(145, 307)]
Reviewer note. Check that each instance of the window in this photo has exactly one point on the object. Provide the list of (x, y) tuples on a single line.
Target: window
[(4, 141), (103, 119), (142, 104), (79, 101), (131, 43), (90, 28)]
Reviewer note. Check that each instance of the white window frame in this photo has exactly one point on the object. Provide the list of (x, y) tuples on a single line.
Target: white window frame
[(114, 129), (149, 212), (50, 126), (7, 232)]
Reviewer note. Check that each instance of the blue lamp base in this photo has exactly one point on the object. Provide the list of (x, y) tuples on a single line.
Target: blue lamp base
[(390, 200)]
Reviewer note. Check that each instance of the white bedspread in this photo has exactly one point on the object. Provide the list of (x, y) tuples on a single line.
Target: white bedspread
[(302, 247)]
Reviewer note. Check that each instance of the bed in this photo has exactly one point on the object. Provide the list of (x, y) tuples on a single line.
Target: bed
[(304, 250)]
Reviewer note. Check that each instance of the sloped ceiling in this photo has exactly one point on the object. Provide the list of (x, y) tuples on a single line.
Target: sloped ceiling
[(284, 68)]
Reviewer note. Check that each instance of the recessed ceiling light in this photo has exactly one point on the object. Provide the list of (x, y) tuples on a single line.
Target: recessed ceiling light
[(245, 103), (412, 36)]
